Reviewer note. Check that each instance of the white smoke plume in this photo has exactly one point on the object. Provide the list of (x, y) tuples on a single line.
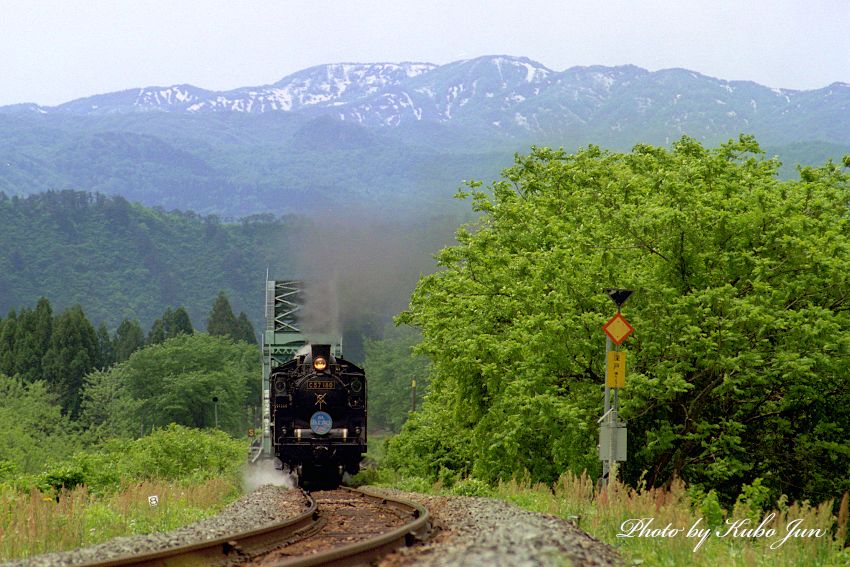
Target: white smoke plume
[(264, 472)]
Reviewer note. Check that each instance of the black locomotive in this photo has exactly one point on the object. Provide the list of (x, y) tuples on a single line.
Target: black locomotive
[(318, 410)]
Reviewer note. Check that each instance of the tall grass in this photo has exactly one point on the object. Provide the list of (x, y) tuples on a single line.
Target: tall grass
[(602, 513), (35, 522)]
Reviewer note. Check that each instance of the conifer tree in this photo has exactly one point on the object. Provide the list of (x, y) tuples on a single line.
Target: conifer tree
[(106, 355), (167, 323), (128, 339), (171, 324), (73, 353), (246, 330), (180, 323), (32, 339), (7, 344), (221, 320), (157, 333)]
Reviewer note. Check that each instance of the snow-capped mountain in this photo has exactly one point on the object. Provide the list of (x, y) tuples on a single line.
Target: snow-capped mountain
[(320, 86), (512, 96)]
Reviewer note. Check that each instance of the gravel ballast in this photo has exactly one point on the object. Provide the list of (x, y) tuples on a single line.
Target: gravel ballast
[(469, 531), (249, 512), (474, 531)]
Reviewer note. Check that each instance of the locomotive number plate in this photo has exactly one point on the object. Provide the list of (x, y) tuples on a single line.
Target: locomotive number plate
[(320, 384)]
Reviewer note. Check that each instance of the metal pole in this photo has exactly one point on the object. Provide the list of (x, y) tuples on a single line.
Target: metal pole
[(613, 420), (606, 465), (413, 388), (215, 406)]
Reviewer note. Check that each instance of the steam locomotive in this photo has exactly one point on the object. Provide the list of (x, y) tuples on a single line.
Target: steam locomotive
[(318, 409)]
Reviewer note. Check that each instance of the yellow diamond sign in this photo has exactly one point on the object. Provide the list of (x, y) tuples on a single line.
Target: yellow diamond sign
[(618, 328)]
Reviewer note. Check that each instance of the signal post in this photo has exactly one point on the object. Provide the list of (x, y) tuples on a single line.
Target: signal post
[(612, 431)]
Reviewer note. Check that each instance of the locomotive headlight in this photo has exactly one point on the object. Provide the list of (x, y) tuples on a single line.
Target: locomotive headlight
[(320, 364)]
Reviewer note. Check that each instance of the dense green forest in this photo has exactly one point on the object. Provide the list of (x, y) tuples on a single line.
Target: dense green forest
[(124, 261), (737, 371)]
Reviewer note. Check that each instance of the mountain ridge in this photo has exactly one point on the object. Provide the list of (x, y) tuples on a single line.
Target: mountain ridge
[(504, 93), (389, 136)]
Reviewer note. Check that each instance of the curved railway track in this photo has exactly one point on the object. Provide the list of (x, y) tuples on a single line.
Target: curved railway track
[(339, 527)]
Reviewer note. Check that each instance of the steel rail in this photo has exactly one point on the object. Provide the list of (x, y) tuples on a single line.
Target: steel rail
[(245, 545), (363, 551), (224, 550)]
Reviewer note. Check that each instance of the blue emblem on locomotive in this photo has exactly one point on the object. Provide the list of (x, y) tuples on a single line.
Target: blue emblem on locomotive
[(321, 423)]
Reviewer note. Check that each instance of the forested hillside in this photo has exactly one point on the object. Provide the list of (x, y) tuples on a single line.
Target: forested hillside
[(119, 260), (125, 261)]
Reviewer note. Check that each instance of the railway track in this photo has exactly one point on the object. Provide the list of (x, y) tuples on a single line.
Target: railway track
[(338, 527)]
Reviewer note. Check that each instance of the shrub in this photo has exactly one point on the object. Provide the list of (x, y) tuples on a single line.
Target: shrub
[(178, 452)]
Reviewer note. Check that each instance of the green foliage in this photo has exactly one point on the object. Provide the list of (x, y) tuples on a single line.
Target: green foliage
[(221, 321), (157, 333), (124, 261), (107, 409), (174, 381), (754, 499), (34, 431), (32, 340), (245, 330), (105, 347), (73, 352), (8, 469), (391, 367), (471, 487), (177, 452), (8, 328), (177, 322), (171, 324), (171, 453), (708, 506), (128, 339), (738, 367), (61, 478), (430, 442)]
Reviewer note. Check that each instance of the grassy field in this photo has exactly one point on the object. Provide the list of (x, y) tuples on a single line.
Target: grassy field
[(105, 492), (34, 522)]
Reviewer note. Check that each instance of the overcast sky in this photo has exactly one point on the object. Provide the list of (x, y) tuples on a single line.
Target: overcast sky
[(55, 51)]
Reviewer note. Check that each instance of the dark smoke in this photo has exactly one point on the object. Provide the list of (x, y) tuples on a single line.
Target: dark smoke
[(359, 270)]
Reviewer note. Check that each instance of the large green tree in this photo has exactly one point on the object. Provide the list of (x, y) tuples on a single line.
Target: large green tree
[(738, 368), (175, 381), (172, 323)]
